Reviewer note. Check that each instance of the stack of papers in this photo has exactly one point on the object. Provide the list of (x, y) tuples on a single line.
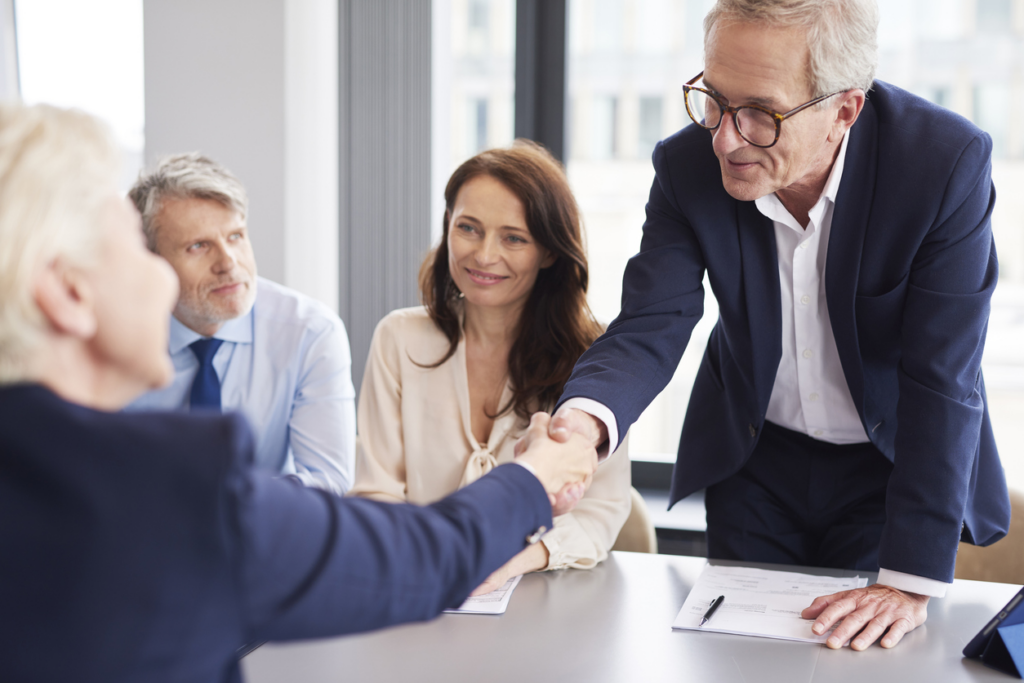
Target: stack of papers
[(495, 602), (759, 602)]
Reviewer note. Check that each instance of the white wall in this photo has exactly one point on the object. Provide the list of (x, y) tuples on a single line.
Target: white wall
[(254, 85)]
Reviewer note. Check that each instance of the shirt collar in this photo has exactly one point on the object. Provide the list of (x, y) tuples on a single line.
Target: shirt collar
[(771, 207), (237, 330)]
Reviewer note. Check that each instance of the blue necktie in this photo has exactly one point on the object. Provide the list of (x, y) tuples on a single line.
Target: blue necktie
[(206, 386)]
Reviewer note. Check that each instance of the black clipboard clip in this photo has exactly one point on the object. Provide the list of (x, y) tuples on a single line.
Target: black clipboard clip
[(1000, 645)]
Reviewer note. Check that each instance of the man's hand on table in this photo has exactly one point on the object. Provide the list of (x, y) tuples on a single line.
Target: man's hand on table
[(565, 466), (868, 612)]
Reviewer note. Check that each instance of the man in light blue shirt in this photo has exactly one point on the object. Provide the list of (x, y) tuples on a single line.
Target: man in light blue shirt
[(242, 343)]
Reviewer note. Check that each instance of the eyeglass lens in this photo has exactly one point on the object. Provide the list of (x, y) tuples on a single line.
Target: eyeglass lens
[(756, 127)]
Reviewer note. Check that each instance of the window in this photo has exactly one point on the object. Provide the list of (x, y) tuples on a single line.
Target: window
[(930, 47), (650, 126), (89, 56), (994, 16), (473, 85)]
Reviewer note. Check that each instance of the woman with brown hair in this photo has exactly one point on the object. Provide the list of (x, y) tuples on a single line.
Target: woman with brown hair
[(449, 386)]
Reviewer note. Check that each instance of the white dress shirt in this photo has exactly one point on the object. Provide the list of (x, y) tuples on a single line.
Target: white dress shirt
[(285, 365), (810, 394)]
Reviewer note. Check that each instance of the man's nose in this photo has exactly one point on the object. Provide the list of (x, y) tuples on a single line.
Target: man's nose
[(727, 137), (226, 259)]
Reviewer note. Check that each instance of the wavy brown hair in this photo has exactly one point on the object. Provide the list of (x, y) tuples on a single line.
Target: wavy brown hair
[(556, 325)]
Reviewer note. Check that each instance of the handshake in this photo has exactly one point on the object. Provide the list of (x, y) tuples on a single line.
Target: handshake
[(561, 450)]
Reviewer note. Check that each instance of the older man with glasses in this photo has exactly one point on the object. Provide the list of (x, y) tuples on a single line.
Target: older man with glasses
[(839, 416)]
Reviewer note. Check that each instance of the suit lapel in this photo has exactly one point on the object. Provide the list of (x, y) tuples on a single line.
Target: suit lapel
[(759, 263), (846, 245)]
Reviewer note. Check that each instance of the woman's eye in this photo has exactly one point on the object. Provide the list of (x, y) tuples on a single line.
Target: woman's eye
[(515, 239)]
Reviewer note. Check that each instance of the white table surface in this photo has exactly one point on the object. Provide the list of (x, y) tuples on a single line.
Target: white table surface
[(614, 624)]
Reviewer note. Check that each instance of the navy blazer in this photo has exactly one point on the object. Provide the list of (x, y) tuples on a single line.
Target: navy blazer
[(143, 547), (909, 273)]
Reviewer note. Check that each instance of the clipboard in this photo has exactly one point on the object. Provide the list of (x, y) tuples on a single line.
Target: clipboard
[(1000, 645)]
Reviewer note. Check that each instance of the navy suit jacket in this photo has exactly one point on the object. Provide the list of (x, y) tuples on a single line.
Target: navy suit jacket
[(909, 273), (143, 547)]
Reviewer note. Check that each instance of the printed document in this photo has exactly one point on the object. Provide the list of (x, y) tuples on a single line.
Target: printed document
[(495, 602), (759, 602)]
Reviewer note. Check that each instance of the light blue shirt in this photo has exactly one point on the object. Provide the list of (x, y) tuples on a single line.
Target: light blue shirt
[(286, 366)]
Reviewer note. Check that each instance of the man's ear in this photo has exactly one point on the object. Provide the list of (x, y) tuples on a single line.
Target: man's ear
[(851, 104), (65, 298)]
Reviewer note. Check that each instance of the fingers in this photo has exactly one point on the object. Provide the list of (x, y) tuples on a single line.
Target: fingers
[(816, 607), (568, 421), (899, 628), (487, 586), (560, 428), (566, 499), (866, 615), (538, 429)]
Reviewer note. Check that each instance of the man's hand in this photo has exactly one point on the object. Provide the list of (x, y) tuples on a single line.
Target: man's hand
[(530, 560), (868, 611), (565, 469), (568, 421)]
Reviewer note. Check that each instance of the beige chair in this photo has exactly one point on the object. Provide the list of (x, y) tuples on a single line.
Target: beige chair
[(637, 534), (1003, 561)]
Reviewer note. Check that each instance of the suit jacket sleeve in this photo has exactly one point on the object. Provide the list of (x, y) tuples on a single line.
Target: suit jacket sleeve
[(940, 407), (662, 300), (310, 564)]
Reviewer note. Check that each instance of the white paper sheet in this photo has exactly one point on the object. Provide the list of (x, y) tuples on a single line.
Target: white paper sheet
[(759, 602), (495, 602)]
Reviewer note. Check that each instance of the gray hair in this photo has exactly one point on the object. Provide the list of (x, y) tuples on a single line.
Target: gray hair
[(842, 36), (57, 170), (185, 176)]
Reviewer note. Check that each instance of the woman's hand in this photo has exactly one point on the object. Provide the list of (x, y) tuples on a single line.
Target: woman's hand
[(530, 560)]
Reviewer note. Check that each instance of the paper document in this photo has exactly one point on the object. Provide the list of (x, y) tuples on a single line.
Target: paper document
[(759, 602), (495, 602)]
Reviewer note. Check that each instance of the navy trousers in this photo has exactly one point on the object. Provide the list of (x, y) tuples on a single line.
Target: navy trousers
[(801, 501)]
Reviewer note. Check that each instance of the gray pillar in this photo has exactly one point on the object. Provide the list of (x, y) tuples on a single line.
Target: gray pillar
[(540, 73), (384, 180)]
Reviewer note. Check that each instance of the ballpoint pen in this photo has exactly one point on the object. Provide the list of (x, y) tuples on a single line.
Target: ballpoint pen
[(711, 610)]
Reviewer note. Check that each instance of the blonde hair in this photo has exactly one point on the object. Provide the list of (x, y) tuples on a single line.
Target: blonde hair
[(57, 167), (842, 36)]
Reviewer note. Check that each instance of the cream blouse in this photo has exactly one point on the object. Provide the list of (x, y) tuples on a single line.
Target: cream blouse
[(415, 442)]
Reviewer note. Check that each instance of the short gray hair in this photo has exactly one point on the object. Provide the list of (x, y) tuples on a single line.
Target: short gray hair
[(842, 36), (185, 176), (57, 170)]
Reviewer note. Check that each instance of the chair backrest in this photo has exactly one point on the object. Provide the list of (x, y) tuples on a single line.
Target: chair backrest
[(637, 534), (1003, 561)]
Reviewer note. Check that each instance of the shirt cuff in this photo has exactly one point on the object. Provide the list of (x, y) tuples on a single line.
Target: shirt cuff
[(912, 584), (602, 413)]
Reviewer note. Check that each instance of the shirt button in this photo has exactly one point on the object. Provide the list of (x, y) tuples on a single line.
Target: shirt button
[(808, 353), (813, 398), (805, 299), (818, 432), (803, 245)]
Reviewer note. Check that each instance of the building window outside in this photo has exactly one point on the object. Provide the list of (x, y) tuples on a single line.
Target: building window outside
[(473, 86), (961, 54), (650, 126), (87, 55)]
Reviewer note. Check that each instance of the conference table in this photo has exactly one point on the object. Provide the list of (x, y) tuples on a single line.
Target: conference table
[(614, 623)]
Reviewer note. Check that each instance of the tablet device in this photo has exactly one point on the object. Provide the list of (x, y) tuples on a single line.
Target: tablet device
[(1000, 644)]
